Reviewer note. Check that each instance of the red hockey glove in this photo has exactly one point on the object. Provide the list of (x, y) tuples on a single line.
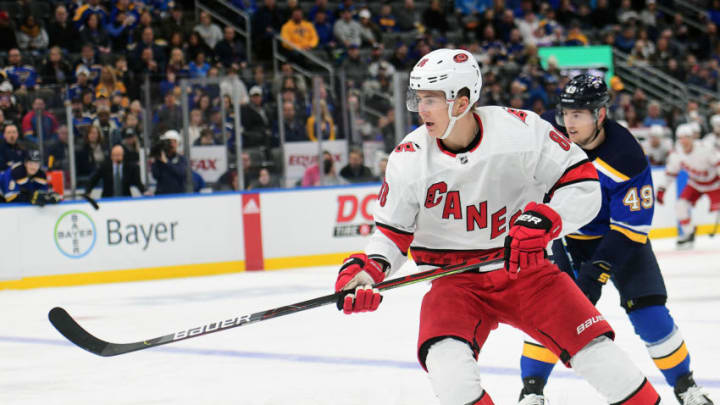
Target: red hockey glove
[(529, 236), (360, 273), (661, 195)]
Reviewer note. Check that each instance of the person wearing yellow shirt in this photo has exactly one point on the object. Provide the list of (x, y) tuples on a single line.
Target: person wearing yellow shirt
[(299, 32)]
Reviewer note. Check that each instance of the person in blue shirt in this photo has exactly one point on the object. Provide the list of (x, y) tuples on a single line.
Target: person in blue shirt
[(26, 182), (614, 246)]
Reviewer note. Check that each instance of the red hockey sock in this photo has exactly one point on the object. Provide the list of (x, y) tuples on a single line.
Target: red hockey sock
[(484, 399), (644, 395)]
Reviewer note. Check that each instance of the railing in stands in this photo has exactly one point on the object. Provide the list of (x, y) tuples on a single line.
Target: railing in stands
[(278, 56), (690, 12), (246, 33), (655, 83)]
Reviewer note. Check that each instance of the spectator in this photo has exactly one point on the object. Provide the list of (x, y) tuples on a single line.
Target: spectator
[(130, 144), (8, 39), (10, 151), (10, 110), (93, 33), (434, 18), (22, 77), (653, 115), (56, 71), (209, 31), (109, 86), (354, 66), (264, 180), (382, 166), (292, 124), (169, 167), (266, 22), (321, 6), (58, 152), (369, 32), (378, 62), (198, 67), (169, 114), (147, 40), (147, 64), (299, 32), (120, 31), (32, 37), (176, 22), (411, 18), (288, 74), (657, 146), (324, 29), (84, 11), (356, 171), (109, 127), (206, 138), (327, 124), (117, 175), (195, 45), (230, 52), (92, 153), (256, 120), (400, 59), (312, 176), (348, 32), (30, 121), (386, 20)]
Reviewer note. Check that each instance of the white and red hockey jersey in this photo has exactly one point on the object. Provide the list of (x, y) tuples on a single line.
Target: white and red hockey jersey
[(702, 165), (447, 206)]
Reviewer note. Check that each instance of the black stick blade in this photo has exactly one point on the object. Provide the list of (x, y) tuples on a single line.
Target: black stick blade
[(66, 325)]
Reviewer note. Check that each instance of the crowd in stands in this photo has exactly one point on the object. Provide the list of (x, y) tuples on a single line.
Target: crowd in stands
[(98, 55)]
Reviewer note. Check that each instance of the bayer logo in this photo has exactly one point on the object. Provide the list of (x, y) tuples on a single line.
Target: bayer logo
[(75, 234)]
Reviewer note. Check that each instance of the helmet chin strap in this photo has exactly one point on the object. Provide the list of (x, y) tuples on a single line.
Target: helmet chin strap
[(453, 120)]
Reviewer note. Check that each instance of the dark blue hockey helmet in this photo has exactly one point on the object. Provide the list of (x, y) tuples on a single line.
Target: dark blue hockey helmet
[(583, 92), (33, 155)]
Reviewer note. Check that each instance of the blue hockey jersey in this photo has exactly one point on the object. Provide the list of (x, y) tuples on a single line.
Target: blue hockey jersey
[(627, 192), (17, 186)]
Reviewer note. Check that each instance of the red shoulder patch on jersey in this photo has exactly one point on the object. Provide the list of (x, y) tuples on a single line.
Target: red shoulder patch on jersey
[(407, 147), (521, 115), (460, 58)]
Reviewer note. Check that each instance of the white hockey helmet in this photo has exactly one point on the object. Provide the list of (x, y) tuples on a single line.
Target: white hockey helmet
[(684, 130), (449, 71), (657, 131), (715, 121)]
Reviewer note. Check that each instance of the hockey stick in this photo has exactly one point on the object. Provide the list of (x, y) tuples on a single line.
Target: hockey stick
[(68, 327), (91, 201)]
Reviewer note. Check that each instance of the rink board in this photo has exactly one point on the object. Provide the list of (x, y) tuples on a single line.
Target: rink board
[(162, 237)]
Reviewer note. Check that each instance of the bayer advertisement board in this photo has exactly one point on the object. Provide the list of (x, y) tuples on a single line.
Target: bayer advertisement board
[(74, 238)]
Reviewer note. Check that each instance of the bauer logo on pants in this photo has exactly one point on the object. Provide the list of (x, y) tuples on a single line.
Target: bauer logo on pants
[(75, 234)]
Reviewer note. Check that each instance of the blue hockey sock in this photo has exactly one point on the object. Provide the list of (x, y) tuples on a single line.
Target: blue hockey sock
[(536, 361), (663, 340)]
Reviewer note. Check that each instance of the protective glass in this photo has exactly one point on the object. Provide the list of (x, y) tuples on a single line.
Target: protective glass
[(424, 102)]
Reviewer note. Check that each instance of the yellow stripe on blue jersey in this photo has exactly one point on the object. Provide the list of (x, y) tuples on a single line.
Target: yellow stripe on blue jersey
[(630, 234), (609, 171), (583, 237), (539, 353)]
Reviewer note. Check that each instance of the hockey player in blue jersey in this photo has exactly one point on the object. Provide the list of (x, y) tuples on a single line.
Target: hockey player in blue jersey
[(614, 246), (27, 183)]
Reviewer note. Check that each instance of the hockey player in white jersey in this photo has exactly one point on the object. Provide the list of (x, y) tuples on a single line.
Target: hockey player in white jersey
[(702, 164), (472, 181)]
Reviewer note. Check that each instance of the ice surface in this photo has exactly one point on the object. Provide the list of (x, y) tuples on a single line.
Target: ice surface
[(314, 357)]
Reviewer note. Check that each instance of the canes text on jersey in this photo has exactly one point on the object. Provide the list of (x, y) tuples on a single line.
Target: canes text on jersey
[(475, 214)]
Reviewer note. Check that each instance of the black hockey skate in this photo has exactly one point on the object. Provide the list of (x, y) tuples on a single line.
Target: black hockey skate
[(687, 391), (532, 392), (686, 241)]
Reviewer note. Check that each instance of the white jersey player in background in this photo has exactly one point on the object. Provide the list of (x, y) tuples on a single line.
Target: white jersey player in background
[(657, 146), (702, 164), (469, 182), (712, 139)]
